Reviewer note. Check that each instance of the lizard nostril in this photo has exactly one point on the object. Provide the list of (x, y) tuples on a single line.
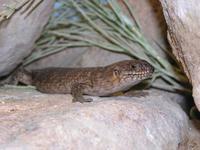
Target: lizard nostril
[(133, 66)]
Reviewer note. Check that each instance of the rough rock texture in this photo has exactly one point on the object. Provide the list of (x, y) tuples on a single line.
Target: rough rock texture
[(32, 120), (151, 20), (79, 57), (18, 34), (153, 26), (183, 22), (194, 135)]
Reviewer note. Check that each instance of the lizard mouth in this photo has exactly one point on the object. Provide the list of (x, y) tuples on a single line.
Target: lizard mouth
[(139, 75), (143, 73)]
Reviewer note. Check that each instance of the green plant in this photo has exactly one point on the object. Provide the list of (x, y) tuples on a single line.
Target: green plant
[(13, 6)]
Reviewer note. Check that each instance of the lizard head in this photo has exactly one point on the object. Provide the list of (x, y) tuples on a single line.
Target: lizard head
[(132, 71)]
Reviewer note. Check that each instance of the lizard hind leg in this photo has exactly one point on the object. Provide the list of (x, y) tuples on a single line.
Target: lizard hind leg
[(77, 93)]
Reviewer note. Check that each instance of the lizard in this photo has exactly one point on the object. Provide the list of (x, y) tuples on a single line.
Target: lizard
[(94, 81)]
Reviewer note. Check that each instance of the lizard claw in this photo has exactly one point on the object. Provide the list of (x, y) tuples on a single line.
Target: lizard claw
[(82, 100), (88, 100)]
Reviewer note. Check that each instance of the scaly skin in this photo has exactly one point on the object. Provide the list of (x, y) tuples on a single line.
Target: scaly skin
[(98, 81)]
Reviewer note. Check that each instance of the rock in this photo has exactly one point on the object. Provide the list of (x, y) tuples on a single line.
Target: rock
[(32, 120), (79, 57), (183, 20), (19, 34), (151, 19), (194, 135)]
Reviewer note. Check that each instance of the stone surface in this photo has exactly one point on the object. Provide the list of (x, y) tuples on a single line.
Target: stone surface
[(18, 34), (194, 135), (32, 120), (151, 19), (79, 57), (183, 20)]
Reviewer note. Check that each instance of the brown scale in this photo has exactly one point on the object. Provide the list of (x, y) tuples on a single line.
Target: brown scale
[(97, 81)]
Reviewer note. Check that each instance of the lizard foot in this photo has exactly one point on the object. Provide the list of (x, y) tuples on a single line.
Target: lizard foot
[(82, 100)]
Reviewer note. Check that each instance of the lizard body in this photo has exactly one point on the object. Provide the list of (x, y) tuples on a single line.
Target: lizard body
[(97, 81)]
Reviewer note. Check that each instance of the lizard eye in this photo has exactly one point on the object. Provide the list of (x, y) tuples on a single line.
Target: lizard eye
[(116, 72)]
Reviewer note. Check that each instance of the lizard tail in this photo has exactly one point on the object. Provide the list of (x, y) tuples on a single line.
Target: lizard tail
[(22, 76)]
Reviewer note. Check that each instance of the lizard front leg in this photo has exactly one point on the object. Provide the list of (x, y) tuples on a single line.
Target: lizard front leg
[(77, 93)]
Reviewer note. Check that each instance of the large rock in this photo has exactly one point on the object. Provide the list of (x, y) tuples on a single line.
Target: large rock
[(183, 20), (194, 135), (32, 120), (79, 57), (151, 19), (18, 34)]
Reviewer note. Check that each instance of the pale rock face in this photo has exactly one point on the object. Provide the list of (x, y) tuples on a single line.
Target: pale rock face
[(183, 20), (32, 120), (19, 33)]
